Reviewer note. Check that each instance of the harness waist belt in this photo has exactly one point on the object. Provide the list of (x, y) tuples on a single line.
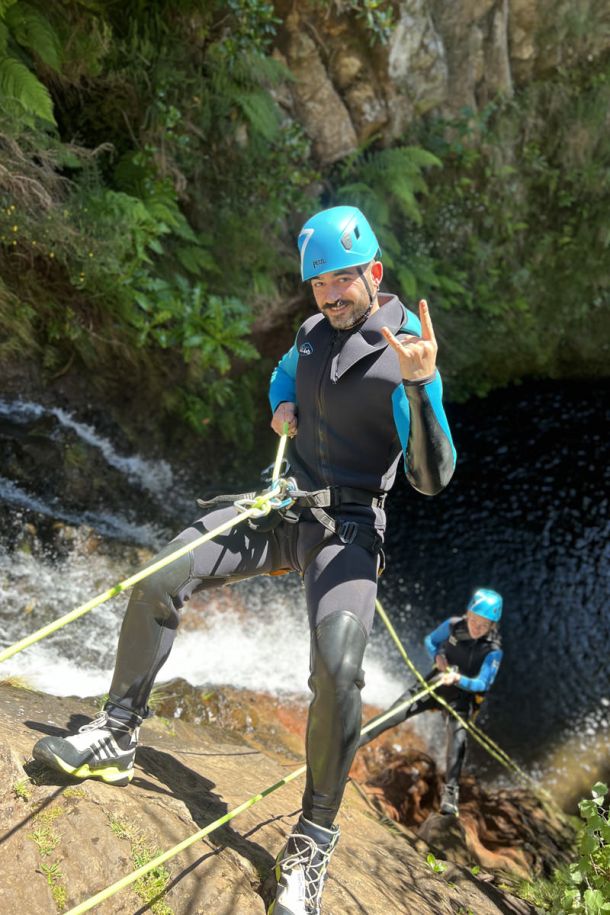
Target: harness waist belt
[(334, 496), (329, 497)]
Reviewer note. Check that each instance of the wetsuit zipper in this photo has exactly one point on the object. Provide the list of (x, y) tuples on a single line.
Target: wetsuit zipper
[(324, 459)]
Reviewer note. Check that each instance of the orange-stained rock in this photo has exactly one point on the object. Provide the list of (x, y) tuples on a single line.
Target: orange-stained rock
[(503, 830)]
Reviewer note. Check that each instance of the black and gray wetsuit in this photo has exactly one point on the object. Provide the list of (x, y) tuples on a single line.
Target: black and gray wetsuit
[(356, 419), (478, 662)]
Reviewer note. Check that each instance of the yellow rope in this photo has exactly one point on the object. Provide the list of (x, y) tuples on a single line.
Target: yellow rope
[(186, 843), (486, 742), (280, 455)]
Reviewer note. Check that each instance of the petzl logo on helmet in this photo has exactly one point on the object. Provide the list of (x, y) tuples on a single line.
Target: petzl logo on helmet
[(306, 349), (318, 262)]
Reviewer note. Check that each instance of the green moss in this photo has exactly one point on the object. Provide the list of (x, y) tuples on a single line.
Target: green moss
[(47, 839), (44, 834), (55, 880), (153, 884), (22, 790)]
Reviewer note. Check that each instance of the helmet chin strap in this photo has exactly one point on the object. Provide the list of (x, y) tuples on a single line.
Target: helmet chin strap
[(364, 316)]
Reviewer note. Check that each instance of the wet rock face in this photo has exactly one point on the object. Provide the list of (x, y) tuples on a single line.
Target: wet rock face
[(439, 56), (64, 841)]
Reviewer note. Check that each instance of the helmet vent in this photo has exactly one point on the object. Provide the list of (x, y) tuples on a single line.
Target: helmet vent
[(346, 241), (357, 232)]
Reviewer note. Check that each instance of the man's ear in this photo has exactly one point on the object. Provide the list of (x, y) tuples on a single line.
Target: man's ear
[(377, 272)]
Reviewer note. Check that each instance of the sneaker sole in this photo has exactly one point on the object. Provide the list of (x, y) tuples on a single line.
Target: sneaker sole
[(109, 774)]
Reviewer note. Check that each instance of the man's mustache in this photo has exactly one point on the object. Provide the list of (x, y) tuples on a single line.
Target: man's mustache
[(337, 304)]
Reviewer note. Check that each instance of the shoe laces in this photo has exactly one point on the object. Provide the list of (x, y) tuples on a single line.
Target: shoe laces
[(314, 860), (104, 720)]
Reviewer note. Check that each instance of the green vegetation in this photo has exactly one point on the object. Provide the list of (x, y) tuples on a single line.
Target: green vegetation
[(21, 789), (47, 840), (377, 16), (54, 878), (582, 887), (152, 885), (44, 834), (145, 243), (74, 792), (151, 188), (436, 866), (508, 234)]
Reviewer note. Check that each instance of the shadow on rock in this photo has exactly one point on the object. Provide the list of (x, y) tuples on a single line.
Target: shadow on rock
[(195, 791)]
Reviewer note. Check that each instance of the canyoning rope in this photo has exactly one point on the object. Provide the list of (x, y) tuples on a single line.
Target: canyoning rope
[(480, 736), (277, 497), (221, 821)]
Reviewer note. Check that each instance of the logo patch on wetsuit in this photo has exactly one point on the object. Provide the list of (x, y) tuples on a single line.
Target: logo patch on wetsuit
[(306, 349)]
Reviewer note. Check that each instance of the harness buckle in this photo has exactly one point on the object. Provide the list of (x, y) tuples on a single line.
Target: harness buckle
[(334, 499), (348, 531)]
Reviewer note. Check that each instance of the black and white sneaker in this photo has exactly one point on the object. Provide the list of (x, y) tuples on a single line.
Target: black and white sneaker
[(449, 800), (301, 869), (105, 749)]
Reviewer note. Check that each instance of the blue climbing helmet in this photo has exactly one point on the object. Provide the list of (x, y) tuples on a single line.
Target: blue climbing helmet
[(335, 239), (487, 603)]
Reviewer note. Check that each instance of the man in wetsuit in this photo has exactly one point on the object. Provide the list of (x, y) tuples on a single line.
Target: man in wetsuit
[(358, 390), (466, 650)]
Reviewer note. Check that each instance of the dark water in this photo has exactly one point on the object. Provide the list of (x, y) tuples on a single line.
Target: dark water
[(526, 514)]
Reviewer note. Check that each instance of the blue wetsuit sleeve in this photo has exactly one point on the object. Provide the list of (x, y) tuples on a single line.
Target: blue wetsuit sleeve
[(282, 386), (435, 639), (424, 434), (486, 675)]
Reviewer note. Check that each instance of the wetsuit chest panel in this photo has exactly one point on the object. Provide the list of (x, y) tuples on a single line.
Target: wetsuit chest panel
[(465, 653), (347, 434)]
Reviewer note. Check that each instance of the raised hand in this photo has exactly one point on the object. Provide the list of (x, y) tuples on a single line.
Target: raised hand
[(417, 355)]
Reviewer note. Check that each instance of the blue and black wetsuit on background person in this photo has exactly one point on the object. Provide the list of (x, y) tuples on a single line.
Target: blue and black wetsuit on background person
[(478, 662)]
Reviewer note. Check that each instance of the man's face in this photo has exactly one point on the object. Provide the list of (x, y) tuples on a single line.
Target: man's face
[(342, 296), (478, 626)]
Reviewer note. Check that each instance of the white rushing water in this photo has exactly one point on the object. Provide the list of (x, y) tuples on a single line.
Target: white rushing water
[(106, 523), (253, 635), (154, 476)]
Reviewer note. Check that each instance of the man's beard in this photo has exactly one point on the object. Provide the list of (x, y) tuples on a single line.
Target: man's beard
[(348, 315)]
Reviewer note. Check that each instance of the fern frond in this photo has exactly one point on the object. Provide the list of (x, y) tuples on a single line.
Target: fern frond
[(421, 157), (33, 31), (260, 70), (196, 260), (261, 112), (18, 84)]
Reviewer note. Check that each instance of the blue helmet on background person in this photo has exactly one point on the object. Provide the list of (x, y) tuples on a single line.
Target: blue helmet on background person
[(487, 603), (336, 239)]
